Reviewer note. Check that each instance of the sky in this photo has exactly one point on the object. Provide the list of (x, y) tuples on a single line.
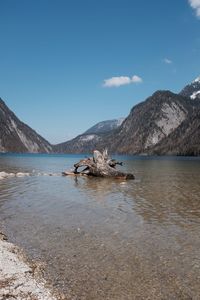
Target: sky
[(67, 64)]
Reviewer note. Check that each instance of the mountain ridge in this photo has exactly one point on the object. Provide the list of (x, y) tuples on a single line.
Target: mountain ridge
[(164, 123), (146, 125), (16, 136), (104, 126), (149, 122), (182, 141), (192, 90)]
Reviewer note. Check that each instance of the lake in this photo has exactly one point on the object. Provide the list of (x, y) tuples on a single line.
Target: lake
[(107, 238)]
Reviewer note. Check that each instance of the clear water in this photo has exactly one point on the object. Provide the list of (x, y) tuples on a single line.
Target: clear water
[(104, 238)]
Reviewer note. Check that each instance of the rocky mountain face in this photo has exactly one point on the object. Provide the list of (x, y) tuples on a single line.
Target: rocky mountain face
[(15, 136), (105, 126), (184, 140), (150, 122), (165, 123)]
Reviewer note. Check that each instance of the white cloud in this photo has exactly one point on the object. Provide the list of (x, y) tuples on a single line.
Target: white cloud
[(167, 61), (121, 80), (195, 4)]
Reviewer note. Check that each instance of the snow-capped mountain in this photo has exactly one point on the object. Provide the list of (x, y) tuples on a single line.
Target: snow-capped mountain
[(89, 140), (150, 122), (163, 124), (192, 90), (105, 126)]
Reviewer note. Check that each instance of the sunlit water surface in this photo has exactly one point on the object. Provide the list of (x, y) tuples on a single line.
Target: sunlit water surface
[(104, 238)]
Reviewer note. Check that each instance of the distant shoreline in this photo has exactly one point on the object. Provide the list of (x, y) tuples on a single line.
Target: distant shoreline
[(84, 154)]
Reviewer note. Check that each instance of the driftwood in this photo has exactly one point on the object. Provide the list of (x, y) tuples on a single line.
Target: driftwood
[(100, 165)]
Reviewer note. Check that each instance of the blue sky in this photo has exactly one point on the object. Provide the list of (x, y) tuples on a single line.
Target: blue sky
[(68, 64)]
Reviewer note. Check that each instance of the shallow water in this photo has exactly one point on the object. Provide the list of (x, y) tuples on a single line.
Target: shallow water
[(104, 238)]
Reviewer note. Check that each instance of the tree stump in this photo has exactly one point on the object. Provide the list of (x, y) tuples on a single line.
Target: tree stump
[(100, 165)]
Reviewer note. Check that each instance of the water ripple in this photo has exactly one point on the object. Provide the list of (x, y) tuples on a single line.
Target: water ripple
[(116, 237)]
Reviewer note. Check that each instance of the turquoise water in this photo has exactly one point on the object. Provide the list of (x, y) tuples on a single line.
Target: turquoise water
[(104, 238)]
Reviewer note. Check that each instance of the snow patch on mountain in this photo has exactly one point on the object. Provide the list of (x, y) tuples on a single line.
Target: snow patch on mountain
[(86, 138), (197, 79), (194, 95), (105, 126)]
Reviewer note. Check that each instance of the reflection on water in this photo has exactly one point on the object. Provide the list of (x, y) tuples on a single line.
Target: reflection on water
[(104, 238)]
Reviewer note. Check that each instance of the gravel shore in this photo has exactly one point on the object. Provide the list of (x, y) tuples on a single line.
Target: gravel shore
[(18, 279)]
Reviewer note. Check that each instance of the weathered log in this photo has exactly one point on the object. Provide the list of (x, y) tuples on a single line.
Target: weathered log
[(100, 165)]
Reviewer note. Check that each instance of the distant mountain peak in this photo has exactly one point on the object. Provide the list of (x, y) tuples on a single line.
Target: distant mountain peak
[(105, 126), (197, 79), (192, 90)]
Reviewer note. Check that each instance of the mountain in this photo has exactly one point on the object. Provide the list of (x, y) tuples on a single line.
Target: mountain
[(185, 140), (165, 123), (147, 124), (83, 143), (192, 90), (150, 122), (90, 139), (105, 126), (15, 136)]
